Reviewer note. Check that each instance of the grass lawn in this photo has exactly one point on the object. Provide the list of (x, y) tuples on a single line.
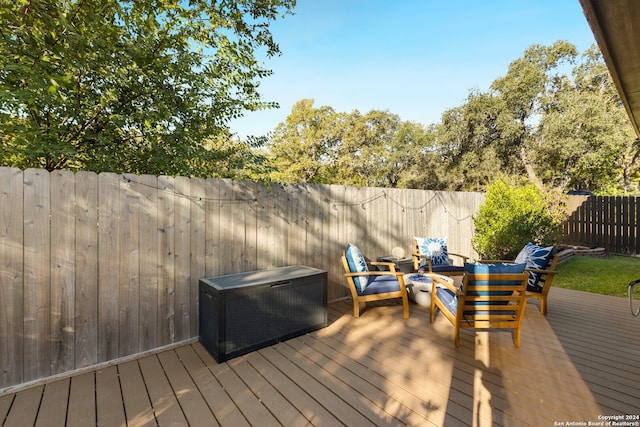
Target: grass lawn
[(601, 275)]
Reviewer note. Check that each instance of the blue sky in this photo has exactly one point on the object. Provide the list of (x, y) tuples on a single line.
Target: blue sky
[(413, 58)]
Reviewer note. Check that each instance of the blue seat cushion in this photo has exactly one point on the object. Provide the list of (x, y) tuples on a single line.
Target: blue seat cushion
[(448, 298), (357, 264), (380, 285), (537, 258)]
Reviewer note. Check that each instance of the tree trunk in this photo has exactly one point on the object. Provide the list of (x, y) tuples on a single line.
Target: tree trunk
[(529, 168)]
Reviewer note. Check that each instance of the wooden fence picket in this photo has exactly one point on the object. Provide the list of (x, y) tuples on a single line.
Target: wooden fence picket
[(86, 270), (12, 289), (149, 273), (108, 266), (37, 274), (63, 265)]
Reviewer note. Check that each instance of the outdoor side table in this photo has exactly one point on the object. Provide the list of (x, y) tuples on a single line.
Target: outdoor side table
[(419, 288), (403, 265)]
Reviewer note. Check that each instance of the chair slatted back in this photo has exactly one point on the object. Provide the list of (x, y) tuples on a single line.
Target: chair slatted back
[(492, 300)]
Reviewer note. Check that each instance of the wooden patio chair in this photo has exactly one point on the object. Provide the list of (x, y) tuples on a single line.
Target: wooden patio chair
[(431, 255), (541, 265), (372, 285), (492, 296)]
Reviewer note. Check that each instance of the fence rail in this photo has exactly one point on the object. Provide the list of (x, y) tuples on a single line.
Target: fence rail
[(607, 222), (94, 267)]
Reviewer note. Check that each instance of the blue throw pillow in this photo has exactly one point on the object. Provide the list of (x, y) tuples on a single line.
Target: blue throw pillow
[(536, 258), (435, 248), (504, 268), (357, 264)]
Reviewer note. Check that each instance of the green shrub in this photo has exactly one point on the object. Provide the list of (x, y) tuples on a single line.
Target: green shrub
[(510, 217)]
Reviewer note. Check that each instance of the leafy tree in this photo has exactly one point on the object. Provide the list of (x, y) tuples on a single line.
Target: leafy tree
[(560, 130), (377, 149), (320, 145), (135, 86), (468, 138), (238, 159), (510, 217), (585, 139), (417, 165), (522, 92), (305, 147)]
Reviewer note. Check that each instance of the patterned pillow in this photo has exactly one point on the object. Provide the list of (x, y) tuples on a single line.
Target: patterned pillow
[(357, 264), (435, 248), (536, 258)]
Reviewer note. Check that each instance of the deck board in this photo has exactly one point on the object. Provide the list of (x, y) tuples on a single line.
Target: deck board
[(334, 390), (109, 404), (5, 405), (352, 388), (217, 399), (24, 409), (136, 401), (193, 405), (269, 396), (165, 403), (394, 401), (314, 388), (53, 407), (295, 393), (580, 361), (81, 410)]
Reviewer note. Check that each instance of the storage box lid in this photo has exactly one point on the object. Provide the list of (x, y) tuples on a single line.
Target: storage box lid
[(253, 278)]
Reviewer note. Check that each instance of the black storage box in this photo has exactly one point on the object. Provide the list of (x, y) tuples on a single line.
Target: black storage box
[(243, 312)]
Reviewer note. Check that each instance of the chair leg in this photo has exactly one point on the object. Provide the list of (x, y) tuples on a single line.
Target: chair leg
[(516, 337), (543, 306), (457, 336), (542, 300), (405, 305), (432, 315), (356, 308)]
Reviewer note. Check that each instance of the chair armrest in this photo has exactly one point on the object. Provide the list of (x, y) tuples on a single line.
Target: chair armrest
[(464, 258), (391, 266), (445, 281), (375, 273)]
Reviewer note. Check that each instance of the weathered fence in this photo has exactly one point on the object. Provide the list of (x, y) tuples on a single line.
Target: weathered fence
[(100, 266), (607, 222)]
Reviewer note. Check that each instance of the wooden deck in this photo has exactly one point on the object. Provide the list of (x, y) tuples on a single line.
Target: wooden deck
[(578, 364)]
